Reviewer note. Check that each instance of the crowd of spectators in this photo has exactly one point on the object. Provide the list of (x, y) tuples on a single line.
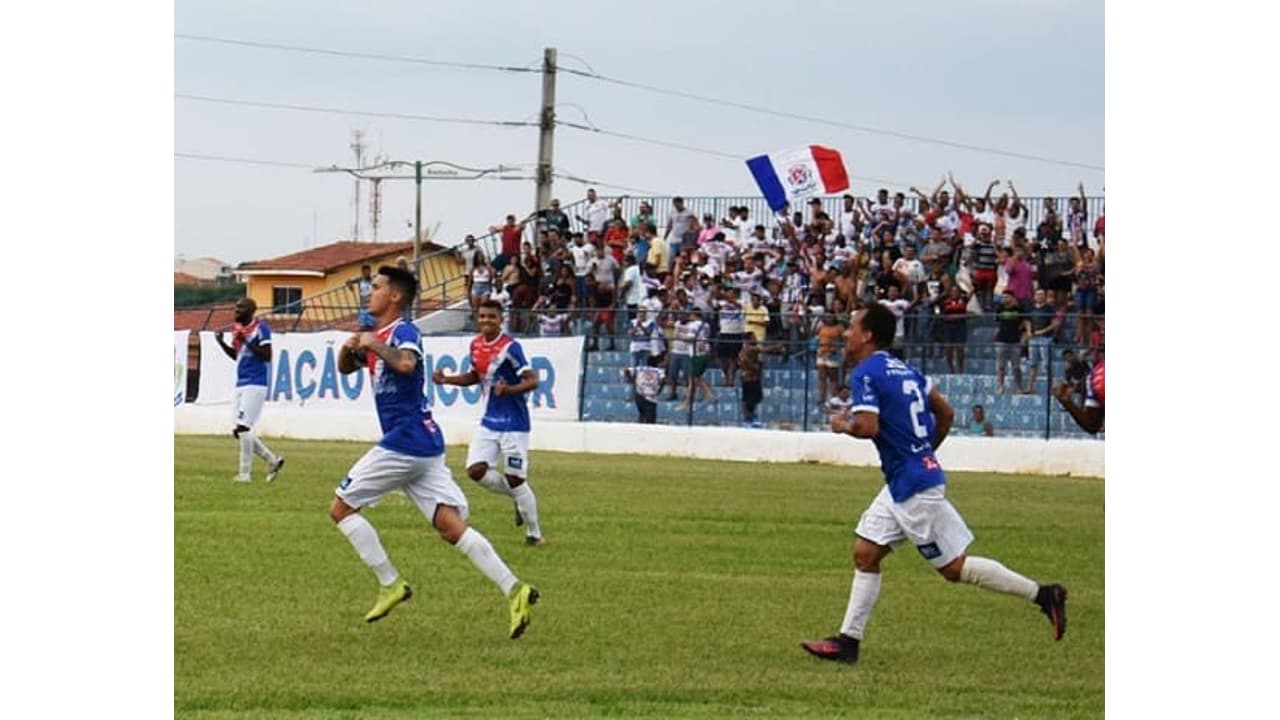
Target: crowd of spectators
[(687, 293)]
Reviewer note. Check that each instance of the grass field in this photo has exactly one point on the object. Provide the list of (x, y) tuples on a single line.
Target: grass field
[(671, 588)]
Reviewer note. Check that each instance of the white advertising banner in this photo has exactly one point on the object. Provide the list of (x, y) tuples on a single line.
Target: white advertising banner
[(180, 366), (304, 373)]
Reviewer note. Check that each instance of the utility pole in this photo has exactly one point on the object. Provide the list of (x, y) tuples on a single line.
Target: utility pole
[(357, 146), (547, 125)]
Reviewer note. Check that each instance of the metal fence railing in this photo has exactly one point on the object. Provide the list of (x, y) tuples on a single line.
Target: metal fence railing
[(795, 386)]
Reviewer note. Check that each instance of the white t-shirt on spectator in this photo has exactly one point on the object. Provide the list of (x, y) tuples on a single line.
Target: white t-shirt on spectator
[(733, 319), (846, 224), (635, 293), (582, 257), (914, 269), (597, 214), (898, 308)]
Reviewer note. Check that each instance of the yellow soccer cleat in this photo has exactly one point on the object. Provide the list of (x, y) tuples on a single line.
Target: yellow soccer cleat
[(388, 598), (523, 598)]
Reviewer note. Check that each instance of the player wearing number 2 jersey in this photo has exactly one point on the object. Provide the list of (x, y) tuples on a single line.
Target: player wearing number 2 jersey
[(907, 418)]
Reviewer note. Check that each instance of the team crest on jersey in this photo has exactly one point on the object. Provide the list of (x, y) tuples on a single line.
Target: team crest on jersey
[(930, 463)]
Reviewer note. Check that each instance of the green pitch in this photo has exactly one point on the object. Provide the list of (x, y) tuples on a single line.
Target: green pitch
[(670, 588)]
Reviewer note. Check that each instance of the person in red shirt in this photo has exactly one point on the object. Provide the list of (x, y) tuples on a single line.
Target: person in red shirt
[(511, 233), (616, 238)]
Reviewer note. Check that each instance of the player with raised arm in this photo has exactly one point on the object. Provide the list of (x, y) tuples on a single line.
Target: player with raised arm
[(410, 456), (250, 348), (906, 417), (498, 363)]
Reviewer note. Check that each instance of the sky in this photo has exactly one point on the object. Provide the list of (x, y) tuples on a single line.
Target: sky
[(1023, 76)]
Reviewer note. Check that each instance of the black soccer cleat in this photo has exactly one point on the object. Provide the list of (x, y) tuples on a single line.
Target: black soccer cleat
[(1052, 600), (840, 648)]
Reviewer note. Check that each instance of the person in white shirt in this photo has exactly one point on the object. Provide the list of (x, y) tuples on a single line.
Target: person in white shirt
[(733, 326), (582, 253), (631, 287), (909, 269), (552, 321), (898, 306), (646, 380), (839, 403), (597, 214), (641, 331)]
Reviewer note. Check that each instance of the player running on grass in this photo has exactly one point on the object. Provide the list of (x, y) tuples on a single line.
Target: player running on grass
[(499, 365), (410, 456), (250, 348), (899, 409)]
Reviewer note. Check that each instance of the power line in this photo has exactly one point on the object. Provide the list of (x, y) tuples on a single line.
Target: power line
[(739, 157), (361, 55), (592, 75), (824, 121), (362, 113), (566, 175), (317, 166), (244, 161)]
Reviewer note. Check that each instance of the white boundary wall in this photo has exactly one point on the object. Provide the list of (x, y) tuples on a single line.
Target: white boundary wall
[(1013, 455)]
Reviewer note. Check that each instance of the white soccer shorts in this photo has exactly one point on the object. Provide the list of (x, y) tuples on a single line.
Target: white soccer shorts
[(487, 445), (927, 519), (426, 481), (248, 407)]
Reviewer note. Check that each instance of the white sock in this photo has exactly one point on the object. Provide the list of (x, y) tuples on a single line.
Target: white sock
[(991, 575), (365, 540), (246, 452), (260, 448), (493, 481), (477, 548), (862, 598), (528, 505)]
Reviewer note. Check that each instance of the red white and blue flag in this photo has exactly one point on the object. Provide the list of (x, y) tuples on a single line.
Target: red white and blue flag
[(791, 175)]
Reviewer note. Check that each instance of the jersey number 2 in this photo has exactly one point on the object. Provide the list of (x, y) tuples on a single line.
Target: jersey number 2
[(910, 387)]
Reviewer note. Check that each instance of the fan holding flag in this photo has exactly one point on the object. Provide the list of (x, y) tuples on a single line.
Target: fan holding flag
[(791, 175)]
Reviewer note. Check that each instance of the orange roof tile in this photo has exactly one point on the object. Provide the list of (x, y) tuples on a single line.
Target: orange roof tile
[(331, 257), (181, 278), (215, 317)]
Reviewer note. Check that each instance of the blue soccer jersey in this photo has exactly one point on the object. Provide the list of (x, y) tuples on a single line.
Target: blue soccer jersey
[(899, 394), (250, 370), (501, 359), (403, 409)]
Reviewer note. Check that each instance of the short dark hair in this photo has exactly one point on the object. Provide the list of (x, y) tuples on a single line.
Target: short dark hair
[(401, 280), (881, 323), (491, 304)]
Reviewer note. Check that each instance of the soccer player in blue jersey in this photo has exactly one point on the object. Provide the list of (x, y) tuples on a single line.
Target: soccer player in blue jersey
[(410, 456), (499, 365), (250, 348), (898, 408)]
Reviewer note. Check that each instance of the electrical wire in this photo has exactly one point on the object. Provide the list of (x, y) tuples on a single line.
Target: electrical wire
[(245, 161), (361, 55), (739, 157), (343, 111), (824, 121), (592, 75)]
